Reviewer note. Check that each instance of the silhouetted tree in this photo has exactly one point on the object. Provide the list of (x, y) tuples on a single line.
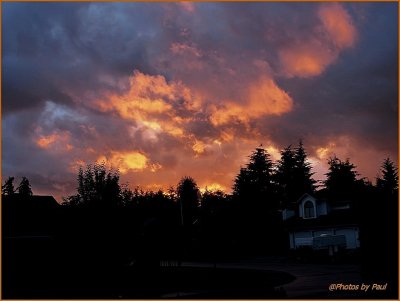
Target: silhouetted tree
[(216, 230), (293, 174), (285, 176), (379, 228), (213, 201), (253, 185), (8, 187), (260, 170), (242, 186), (389, 182), (255, 203), (303, 174), (127, 196), (98, 187), (24, 188), (172, 194), (188, 197), (341, 179)]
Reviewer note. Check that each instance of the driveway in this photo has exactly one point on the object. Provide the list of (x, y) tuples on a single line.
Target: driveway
[(312, 280)]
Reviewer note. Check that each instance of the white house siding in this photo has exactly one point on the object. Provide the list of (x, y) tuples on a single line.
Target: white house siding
[(352, 241), (322, 209), (302, 238), (301, 214), (323, 232), (286, 214)]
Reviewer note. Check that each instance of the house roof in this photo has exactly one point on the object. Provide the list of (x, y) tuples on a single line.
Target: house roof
[(343, 217), (333, 203), (35, 202), (294, 205), (303, 197)]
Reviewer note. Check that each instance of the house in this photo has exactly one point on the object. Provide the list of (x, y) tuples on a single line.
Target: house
[(24, 216), (320, 224)]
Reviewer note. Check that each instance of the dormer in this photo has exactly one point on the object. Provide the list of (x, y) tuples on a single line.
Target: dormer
[(309, 207)]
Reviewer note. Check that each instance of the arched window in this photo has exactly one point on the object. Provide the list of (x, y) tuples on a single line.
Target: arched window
[(309, 211)]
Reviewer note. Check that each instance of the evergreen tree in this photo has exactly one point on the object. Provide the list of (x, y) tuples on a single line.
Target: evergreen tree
[(256, 203), (253, 184), (293, 175), (341, 179), (389, 181), (285, 176), (241, 187), (260, 170), (8, 187), (24, 188), (303, 174)]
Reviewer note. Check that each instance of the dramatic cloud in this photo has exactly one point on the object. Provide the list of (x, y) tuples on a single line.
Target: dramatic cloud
[(127, 161), (164, 90), (338, 25), (264, 98), (311, 55)]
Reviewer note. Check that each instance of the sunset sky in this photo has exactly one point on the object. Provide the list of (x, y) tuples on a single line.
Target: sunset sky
[(164, 90)]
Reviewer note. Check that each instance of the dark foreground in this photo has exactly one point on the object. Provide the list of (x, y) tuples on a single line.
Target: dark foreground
[(75, 253), (38, 268), (40, 275)]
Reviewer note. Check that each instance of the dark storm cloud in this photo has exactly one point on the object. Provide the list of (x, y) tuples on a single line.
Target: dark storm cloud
[(167, 89), (55, 47), (356, 97)]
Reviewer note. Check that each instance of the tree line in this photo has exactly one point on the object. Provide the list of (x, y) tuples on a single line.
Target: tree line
[(24, 188), (275, 184), (249, 216), (261, 182)]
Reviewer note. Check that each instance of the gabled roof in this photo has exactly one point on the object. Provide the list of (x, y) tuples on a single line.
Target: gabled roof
[(305, 196), (293, 205), (333, 219), (42, 202)]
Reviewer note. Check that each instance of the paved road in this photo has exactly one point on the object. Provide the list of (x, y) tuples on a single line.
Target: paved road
[(312, 280)]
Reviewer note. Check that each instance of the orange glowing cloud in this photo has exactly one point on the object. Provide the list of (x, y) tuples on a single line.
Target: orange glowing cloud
[(147, 95), (55, 141), (151, 102), (311, 56), (125, 161), (75, 165), (227, 135), (189, 56), (181, 48), (198, 147), (305, 61), (338, 24), (264, 98), (46, 141), (324, 152)]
